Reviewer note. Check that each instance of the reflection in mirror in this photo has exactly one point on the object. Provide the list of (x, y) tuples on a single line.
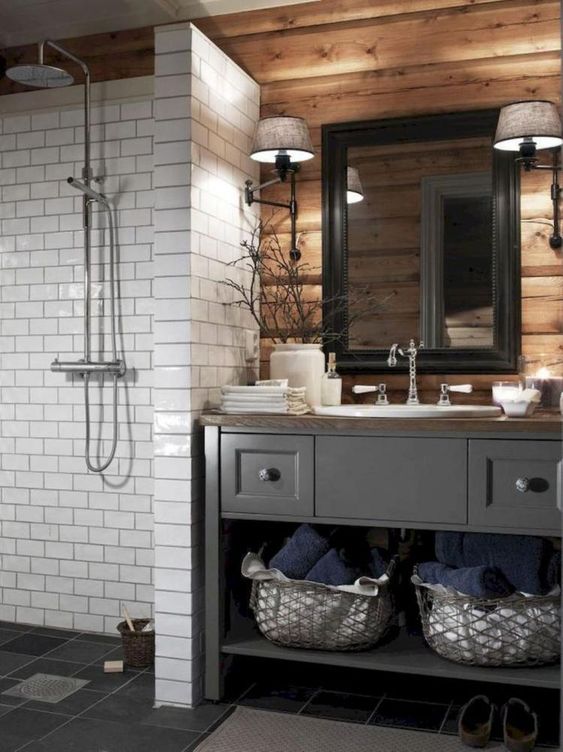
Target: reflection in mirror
[(422, 242)]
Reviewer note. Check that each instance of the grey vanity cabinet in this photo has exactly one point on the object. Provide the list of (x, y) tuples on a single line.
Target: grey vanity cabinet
[(490, 475), (396, 479), (515, 484)]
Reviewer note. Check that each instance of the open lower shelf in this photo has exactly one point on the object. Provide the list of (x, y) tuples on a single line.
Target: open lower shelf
[(405, 654)]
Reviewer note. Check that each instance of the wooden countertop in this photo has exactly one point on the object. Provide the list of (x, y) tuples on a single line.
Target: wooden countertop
[(543, 422)]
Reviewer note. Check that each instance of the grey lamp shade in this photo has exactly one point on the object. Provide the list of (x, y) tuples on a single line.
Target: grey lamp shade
[(354, 190), (522, 122), (281, 135)]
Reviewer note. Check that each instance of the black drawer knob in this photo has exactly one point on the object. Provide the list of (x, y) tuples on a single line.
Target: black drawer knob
[(269, 474)]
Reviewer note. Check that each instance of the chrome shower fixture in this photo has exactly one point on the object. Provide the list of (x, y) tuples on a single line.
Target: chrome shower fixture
[(49, 76)]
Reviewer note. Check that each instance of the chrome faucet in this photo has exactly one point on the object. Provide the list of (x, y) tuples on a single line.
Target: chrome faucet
[(411, 354)]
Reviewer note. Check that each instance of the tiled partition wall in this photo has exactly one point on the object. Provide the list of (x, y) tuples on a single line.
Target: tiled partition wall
[(73, 544), (205, 112)]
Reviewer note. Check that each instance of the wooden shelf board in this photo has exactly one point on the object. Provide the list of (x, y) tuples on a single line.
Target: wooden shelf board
[(405, 654)]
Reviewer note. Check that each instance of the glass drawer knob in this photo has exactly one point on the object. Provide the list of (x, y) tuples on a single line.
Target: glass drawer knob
[(522, 485), (269, 474)]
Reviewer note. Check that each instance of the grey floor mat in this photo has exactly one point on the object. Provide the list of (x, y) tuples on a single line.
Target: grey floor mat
[(249, 730)]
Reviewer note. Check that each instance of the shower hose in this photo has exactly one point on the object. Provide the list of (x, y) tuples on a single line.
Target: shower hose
[(89, 463)]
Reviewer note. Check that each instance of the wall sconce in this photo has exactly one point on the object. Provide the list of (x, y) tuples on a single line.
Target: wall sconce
[(528, 127), (354, 190), (285, 143)]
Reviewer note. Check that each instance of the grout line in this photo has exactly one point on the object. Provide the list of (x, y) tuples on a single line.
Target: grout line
[(313, 695), (383, 697), (246, 691), (445, 717)]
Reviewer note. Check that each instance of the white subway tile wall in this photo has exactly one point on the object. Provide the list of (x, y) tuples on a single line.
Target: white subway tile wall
[(205, 112), (74, 545)]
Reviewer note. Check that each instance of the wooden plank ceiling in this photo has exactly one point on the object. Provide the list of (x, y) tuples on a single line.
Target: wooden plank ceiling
[(340, 60)]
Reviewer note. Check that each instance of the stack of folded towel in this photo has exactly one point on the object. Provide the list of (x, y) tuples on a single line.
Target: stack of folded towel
[(308, 555), (277, 399), (493, 566)]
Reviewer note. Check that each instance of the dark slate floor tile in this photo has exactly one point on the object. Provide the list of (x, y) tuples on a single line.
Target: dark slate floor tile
[(287, 698), (80, 652), (203, 718), (195, 744), (8, 699), (8, 634), (46, 666), (32, 644), (93, 735), (425, 716), (15, 627), (10, 661), (111, 654), (5, 708), (341, 706), (100, 682), (65, 634), (450, 723), (108, 639), (22, 725), (72, 705), (130, 704), (428, 689)]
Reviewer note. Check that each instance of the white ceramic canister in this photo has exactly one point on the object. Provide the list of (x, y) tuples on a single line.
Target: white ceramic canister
[(301, 365)]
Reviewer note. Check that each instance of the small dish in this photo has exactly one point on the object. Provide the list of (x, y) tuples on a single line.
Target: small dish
[(518, 408)]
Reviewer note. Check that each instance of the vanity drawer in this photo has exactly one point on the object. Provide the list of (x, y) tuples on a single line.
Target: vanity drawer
[(515, 484), (395, 479), (264, 474)]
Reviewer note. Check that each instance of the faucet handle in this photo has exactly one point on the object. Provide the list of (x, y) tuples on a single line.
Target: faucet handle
[(382, 395), (363, 389), (463, 388), (446, 388)]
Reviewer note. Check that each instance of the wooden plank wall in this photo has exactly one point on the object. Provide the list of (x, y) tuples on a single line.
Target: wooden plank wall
[(337, 60), (341, 60), (109, 56)]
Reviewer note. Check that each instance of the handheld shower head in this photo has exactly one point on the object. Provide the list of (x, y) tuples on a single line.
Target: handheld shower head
[(40, 75)]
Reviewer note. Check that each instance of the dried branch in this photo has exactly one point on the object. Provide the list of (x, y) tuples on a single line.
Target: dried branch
[(275, 294)]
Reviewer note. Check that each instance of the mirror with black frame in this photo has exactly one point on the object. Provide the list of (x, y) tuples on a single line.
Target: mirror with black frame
[(421, 218)]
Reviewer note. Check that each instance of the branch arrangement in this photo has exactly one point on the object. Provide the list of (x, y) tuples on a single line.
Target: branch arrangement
[(276, 294)]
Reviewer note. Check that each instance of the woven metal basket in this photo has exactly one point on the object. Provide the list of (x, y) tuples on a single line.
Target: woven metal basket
[(514, 631), (301, 614)]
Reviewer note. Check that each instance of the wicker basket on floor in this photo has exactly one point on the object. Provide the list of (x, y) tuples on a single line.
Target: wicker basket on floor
[(513, 631), (301, 614), (138, 647)]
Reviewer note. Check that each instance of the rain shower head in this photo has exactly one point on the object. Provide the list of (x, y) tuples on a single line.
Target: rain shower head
[(40, 75)]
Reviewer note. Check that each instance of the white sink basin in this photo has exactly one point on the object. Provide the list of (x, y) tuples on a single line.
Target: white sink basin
[(410, 411)]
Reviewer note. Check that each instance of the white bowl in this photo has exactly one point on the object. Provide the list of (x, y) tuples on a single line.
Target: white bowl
[(518, 408)]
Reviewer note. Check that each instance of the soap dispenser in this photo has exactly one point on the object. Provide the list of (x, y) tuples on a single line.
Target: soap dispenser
[(331, 389)]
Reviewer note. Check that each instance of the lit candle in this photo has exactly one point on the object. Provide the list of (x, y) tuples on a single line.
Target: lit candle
[(551, 387)]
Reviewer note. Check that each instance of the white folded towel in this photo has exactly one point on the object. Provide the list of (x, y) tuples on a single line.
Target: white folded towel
[(242, 398), (274, 398), (254, 410), (254, 390)]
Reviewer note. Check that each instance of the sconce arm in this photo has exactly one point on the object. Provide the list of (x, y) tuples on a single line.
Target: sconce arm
[(555, 240), (250, 190)]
